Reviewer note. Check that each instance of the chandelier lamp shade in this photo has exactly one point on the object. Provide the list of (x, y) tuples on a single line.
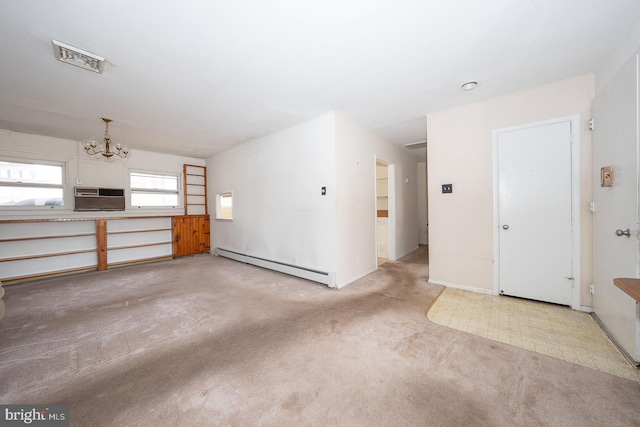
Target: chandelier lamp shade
[(106, 149)]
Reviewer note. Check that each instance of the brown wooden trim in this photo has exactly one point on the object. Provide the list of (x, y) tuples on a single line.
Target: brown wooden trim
[(108, 218), (141, 245), (140, 261), (110, 233), (101, 238), (49, 255), (630, 286), (186, 188), (16, 279), (21, 221), (22, 239), (174, 240), (383, 214), (206, 202)]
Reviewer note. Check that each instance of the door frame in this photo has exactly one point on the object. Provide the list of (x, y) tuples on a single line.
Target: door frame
[(575, 203), (391, 188)]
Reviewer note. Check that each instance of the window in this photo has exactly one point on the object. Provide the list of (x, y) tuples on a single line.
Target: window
[(154, 190), (224, 205), (31, 184)]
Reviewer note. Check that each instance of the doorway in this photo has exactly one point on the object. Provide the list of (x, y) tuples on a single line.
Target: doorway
[(385, 213), (382, 211), (536, 197)]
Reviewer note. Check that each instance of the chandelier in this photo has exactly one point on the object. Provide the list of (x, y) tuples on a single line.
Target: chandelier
[(93, 148)]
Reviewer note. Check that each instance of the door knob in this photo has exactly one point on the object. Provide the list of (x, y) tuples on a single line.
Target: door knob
[(621, 233), (505, 227)]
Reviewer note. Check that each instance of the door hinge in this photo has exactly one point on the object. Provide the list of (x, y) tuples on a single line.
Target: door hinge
[(591, 124)]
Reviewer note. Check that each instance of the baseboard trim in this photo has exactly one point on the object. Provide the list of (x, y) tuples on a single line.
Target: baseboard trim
[(328, 278), (462, 287), (342, 285), (407, 253), (624, 352), (586, 309)]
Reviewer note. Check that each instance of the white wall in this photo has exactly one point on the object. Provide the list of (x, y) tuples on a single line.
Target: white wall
[(627, 46), (356, 151), (423, 205), (93, 172), (460, 152), (279, 212)]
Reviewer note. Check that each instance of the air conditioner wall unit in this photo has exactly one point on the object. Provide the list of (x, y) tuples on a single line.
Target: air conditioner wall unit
[(99, 199)]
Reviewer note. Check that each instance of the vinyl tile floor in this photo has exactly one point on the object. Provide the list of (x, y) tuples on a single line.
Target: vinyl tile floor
[(544, 328)]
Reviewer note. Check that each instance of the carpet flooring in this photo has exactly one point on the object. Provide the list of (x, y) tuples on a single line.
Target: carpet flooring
[(209, 341)]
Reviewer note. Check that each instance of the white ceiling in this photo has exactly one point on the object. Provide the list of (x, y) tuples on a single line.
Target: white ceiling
[(196, 77)]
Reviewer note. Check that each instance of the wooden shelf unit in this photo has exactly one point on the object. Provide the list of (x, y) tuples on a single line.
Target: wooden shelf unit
[(34, 248), (195, 190)]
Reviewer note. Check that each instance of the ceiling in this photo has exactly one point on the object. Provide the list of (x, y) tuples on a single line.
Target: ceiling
[(197, 77)]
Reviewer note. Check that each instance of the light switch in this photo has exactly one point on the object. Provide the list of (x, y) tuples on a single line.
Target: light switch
[(324, 191), (606, 176)]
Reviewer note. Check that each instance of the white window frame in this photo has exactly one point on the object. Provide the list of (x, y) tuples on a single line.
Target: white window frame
[(62, 185), (218, 196), (177, 191)]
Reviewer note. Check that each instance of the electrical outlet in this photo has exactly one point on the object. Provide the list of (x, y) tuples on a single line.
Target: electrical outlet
[(324, 191), (447, 188), (592, 289)]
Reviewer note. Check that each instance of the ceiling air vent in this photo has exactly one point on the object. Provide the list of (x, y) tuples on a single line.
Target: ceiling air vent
[(78, 57)]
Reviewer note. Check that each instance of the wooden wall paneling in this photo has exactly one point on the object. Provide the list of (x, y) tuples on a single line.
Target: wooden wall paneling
[(191, 235)]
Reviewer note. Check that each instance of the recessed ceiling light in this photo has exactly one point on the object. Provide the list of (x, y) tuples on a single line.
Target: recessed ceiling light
[(78, 57), (469, 86)]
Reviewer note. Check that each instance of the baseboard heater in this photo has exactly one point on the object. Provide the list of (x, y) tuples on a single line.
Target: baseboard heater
[(328, 279)]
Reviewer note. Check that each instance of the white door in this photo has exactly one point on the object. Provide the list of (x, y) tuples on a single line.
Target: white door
[(615, 143), (535, 240), (383, 237)]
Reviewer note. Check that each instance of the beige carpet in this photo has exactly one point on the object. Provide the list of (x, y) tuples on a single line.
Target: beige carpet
[(544, 328), (209, 341)]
